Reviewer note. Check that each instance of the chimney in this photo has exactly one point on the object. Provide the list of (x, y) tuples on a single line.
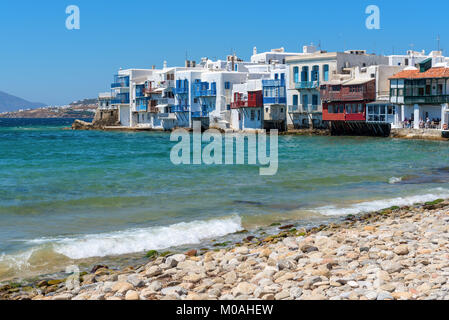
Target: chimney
[(153, 67), (254, 50), (165, 64)]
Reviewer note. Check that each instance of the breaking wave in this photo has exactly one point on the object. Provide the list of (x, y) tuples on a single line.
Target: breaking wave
[(118, 243)]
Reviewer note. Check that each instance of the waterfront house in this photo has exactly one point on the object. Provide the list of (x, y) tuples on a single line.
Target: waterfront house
[(308, 71), (247, 106), (422, 96), (124, 93), (213, 93), (154, 98), (104, 101), (361, 94), (261, 103)]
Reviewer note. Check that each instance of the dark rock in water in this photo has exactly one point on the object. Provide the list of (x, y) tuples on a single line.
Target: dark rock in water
[(42, 283), (290, 226), (253, 203), (308, 248), (94, 269), (250, 238), (364, 249)]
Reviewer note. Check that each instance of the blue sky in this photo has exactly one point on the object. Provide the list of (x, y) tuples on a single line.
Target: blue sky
[(40, 60)]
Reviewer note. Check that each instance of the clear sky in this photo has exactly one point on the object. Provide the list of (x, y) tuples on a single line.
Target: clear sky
[(42, 61)]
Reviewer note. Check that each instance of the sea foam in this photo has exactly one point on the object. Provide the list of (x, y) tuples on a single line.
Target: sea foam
[(375, 205), (140, 240)]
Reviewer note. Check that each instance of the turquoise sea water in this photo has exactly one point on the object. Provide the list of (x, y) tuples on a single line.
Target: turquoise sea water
[(68, 195)]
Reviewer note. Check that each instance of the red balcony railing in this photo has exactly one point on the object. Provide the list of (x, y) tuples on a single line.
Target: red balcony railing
[(360, 92)]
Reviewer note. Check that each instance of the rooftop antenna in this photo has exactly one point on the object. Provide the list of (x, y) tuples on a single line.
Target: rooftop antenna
[(438, 40), (319, 45)]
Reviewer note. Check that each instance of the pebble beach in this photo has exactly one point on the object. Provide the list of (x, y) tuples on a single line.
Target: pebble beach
[(392, 254)]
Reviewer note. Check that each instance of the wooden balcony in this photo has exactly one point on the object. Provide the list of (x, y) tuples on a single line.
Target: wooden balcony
[(357, 92)]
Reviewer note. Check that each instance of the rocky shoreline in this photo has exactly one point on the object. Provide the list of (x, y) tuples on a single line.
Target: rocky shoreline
[(393, 254)]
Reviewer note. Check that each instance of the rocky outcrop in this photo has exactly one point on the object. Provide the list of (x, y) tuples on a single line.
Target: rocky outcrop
[(420, 134), (103, 118)]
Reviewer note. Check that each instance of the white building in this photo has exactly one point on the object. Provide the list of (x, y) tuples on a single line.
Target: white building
[(413, 58)]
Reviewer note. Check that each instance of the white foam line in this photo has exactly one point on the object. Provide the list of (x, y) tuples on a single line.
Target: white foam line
[(139, 240), (370, 206)]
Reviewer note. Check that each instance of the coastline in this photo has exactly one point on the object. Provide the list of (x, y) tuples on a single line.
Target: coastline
[(395, 253), (409, 134)]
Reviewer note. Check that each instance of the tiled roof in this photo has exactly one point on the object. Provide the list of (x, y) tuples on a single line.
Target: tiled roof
[(415, 74)]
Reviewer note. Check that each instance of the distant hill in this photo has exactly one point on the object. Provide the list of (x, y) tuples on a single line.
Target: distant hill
[(85, 102), (12, 103)]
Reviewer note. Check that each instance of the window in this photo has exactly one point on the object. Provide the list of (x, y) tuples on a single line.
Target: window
[(253, 115), (305, 74), (295, 74), (295, 99), (315, 73), (282, 110), (326, 72), (195, 100), (341, 109), (335, 88), (227, 85), (315, 100), (258, 115), (305, 101)]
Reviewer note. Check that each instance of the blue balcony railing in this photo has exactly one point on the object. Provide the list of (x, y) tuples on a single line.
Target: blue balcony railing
[(307, 85), (205, 93), (273, 83), (200, 114), (274, 100), (120, 82), (181, 90), (204, 89), (122, 98), (180, 108)]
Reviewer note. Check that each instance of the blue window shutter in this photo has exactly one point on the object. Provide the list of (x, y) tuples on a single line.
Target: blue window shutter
[(295, 100)]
